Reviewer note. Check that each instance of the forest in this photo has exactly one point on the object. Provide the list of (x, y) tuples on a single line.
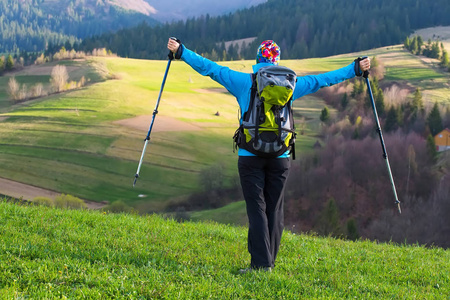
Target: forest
[(302, 28), (31, 25)]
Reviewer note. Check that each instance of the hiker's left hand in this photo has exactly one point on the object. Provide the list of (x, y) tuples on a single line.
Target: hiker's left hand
[(173, 46), (364, 64)]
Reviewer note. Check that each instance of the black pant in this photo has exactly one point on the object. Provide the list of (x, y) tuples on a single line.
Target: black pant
[(263, 181)]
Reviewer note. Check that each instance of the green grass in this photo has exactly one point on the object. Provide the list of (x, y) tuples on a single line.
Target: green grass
[(47, 253), (412, 75)]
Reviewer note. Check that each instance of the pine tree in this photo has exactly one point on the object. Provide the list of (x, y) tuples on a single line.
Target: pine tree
[(435, 50), (391, 120), (325, 115), (329, 219), (415, 46), (434, 120), (419, 44), (417, 105), (431, 148), (352, 230), (9, 63), (378, 96), (358, 88), (379, 102), (2, 64), (407, 43), (444, 59)]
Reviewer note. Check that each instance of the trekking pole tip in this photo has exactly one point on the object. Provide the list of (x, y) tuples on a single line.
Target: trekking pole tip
[(399, 208)]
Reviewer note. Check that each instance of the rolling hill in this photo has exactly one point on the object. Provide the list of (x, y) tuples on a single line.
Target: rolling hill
[(76, 142)]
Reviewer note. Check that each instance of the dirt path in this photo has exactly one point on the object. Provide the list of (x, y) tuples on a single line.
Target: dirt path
[(28, 192)]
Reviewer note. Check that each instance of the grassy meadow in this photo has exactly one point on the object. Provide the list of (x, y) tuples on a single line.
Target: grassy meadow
[(70, 142), (49, 253)]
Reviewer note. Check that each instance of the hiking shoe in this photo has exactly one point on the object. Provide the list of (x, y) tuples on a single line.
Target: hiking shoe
[(245, 271)]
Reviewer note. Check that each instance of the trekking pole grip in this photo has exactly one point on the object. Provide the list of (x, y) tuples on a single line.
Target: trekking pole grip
[(179, 51), (366, 73)]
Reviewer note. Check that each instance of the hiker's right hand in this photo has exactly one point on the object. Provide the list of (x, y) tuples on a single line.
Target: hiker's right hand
[(173, 45), (364, 64)]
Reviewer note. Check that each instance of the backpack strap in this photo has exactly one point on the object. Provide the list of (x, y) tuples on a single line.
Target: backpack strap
[(239, 134), (253, 91)]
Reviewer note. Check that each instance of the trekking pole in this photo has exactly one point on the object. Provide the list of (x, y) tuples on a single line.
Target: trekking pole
[(366, 76), (155, 112)]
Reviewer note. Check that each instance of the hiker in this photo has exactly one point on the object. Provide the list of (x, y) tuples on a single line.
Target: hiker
[(263, 179)]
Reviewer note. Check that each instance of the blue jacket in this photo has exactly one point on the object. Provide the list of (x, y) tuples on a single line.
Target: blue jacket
[(239, 83)]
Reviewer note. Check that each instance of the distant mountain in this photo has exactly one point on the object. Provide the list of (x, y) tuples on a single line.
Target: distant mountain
[(135, 5), (181, 9), (30, 25)]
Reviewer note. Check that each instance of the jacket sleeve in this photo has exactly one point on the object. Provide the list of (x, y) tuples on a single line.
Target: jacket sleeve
[(235, 82), (312, 83)]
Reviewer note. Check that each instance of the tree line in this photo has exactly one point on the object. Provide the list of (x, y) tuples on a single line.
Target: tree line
[(432, 49), (59, 81), (302, 28)]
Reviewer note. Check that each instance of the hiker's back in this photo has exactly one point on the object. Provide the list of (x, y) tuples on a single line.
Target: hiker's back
[(267, 128)]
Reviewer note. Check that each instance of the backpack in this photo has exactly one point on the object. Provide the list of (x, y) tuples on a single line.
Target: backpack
[(267, 128)]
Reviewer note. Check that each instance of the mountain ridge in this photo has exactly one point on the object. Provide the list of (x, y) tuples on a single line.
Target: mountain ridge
[(180, 10), (136, 5)]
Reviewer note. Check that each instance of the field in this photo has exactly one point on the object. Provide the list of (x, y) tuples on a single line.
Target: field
[(48, 253), (88, 142)]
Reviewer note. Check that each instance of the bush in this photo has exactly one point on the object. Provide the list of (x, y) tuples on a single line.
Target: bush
[(69, 201), (117, 207), (13, 88), (45, 201), (352, 230), (59, 78)]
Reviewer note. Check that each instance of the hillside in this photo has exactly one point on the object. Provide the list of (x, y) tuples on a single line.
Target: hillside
[(87, 143), (34, 25), (52, 253), (302, 28)]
